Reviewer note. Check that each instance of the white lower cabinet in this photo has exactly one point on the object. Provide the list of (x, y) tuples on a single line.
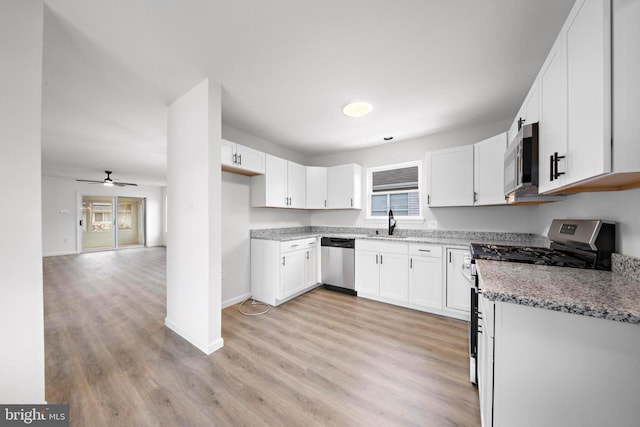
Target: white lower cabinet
[(292, 276), (283, 270), (425, 276), (485, 359), (413, 275), (458, 287), (559, 369), (381, 270), (311, 264)]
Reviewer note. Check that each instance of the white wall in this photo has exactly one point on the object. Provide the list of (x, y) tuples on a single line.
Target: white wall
[(501, 218), (623, 207), (21, 298), (238, 218), (194, 224), (61, 213)]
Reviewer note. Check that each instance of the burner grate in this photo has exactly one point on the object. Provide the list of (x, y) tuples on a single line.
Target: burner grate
[(530, 255)]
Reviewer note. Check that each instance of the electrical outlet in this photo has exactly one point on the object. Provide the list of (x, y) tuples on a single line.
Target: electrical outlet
[(432, 225)]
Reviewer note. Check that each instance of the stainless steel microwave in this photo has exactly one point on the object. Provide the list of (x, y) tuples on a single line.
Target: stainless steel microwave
[(521, 162)]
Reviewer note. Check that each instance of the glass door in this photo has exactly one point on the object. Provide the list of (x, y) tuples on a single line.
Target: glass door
[(99, 219), (131, 229), (97, 223)]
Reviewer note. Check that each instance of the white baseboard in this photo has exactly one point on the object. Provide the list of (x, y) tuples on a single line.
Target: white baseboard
[(59, 253), (215, 345), (205, 348), (235, 300)]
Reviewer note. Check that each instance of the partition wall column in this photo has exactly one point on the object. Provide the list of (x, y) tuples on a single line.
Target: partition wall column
[(194, 217)]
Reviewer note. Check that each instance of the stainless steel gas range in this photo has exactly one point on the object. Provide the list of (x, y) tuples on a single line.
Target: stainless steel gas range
[(574, 243)]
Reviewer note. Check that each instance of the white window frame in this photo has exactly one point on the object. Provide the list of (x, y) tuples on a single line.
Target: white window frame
[(421, 192)]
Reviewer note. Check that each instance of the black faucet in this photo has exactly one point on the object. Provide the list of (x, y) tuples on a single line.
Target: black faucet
[(392, 223)]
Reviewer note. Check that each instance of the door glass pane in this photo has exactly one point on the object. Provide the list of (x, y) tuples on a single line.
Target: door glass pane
[(130, 221), (97, 223)]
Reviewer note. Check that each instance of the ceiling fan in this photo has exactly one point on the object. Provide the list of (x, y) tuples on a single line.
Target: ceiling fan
[(107, 181)]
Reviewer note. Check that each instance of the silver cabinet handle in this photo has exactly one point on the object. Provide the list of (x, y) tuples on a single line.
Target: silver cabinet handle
[(240, 159), (410, 262), (282, 260), (294, 246), (351, 202), (307, 254), (424, 250), (380, 259), (376, 258), (325, 203), (235, 158)]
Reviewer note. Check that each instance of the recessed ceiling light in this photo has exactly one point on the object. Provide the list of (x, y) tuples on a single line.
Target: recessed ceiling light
[(357, 109), (388, 138)]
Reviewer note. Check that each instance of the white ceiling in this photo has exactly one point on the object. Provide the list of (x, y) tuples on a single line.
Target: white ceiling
[(287, 67)]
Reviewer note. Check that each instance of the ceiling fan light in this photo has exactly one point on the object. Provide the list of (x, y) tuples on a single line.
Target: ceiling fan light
[(357, 109), (108, 183)]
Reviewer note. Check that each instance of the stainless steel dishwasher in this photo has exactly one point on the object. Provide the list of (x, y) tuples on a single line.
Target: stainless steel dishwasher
[(338, 264)]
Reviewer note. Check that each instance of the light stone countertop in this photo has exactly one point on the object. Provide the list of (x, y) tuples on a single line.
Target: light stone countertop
[(602, 294), (438, 237)]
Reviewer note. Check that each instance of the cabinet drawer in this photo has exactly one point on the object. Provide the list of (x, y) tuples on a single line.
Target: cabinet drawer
[(382, 246), (432, 251), (311, 243), (293, 245)]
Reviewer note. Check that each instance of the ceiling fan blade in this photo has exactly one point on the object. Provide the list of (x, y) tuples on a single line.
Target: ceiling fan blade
[(89, 180), (124, 184)]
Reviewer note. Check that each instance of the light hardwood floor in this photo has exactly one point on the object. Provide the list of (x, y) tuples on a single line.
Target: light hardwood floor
[(322, 359)]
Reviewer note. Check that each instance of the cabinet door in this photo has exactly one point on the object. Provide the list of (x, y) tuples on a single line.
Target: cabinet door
[(450, 177), (367, 272), (588, 56), (275, 181), (552, 130), (296, 185), (394, 276), (425, 281), (531, 104), (292, 273), (316, 187), (311, 267), (488, 169), (344, 187), (228, 150), (249, 159), (458, 287), (485, 360)]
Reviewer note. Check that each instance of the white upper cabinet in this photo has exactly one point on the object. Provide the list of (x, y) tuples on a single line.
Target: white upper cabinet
[(488, 169), (450, 177), (588, 59), (297, 185), (528, 112), (270, 189), (344, 186), (316, 187), (626, 90), (282, 186), (583, 146), (553, 117), (240, 159)]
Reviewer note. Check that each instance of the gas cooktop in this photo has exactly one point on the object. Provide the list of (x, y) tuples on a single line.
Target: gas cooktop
[(526, 254), (574, 243)]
